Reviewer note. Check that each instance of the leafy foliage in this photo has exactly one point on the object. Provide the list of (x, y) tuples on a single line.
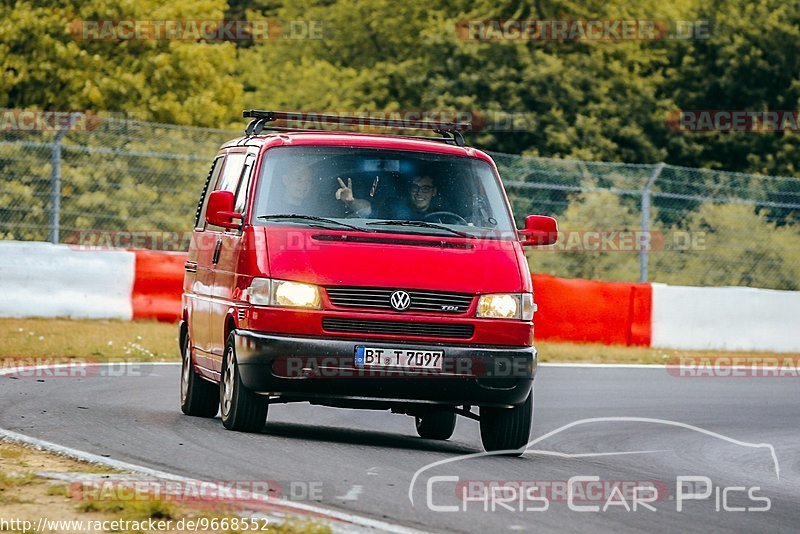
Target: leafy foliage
[(602, 101), (182, 82)]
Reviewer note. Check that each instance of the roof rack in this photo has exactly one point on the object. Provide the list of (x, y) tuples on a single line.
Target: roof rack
[(450, 132)]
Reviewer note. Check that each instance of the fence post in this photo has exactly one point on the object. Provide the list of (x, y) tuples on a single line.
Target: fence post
[(55, 183), (644, 244)]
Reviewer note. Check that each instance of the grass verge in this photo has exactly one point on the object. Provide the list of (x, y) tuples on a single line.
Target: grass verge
[(154, 341), (25, 495), (595, 353), (93, 339)]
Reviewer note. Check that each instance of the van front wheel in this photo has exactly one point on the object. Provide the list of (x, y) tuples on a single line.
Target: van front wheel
[(507, 428), (241, 409)]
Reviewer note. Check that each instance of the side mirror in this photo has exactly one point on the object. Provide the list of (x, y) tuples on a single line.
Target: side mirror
[(539, 230), (219, 211)]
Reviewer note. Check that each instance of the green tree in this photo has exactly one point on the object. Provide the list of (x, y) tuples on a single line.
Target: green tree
[(46, 66), (750, 62), (587, 216), (730, 244)]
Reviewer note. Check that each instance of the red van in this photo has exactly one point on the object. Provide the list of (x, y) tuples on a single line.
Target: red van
[(359, 270)]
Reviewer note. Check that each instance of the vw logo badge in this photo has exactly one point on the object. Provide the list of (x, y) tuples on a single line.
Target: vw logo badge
[(400, 300)]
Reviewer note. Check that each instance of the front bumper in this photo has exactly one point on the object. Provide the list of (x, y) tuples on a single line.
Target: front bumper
[(314, 369)]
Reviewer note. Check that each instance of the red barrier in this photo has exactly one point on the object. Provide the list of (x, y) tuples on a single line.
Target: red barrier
[(158, 285), (569, 310), (588, 311)]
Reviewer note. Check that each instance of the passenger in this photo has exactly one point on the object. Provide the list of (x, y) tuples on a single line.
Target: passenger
[(415, 206)]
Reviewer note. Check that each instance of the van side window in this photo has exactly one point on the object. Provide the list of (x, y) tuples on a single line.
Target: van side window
[(211, 179), (229, 179), (231, 173), (244, 184)]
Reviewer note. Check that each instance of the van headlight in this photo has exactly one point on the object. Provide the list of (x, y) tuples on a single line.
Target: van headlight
[(295, 294), (283, 293), (506, 306)]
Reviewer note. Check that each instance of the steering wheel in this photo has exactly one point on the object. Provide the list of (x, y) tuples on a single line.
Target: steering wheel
[(440, 215)]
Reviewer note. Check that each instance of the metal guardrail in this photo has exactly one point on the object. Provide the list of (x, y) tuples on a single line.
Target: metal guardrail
[(124, 176)]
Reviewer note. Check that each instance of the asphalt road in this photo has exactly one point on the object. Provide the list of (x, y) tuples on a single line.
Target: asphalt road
[(363, 462)]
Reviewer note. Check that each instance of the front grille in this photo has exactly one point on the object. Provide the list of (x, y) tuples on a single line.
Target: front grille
[(378, 298), (461, 331)]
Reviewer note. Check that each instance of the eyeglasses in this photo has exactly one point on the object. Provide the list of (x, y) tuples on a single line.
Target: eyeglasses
[(414, 189)]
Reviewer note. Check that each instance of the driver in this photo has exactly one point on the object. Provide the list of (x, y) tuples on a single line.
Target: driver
[(421, 192), (300, 196)]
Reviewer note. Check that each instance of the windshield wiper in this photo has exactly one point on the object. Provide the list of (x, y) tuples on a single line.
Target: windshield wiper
[(420, 224), (311, 218)]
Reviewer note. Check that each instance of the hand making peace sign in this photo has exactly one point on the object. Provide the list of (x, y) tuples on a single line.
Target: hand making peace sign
[(345, 192)]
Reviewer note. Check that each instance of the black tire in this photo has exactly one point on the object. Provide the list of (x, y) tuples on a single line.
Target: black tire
[(241, 409), (199, 397), (436, 424), (507, 428)]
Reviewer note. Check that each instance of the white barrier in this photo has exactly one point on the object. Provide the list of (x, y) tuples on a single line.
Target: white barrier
[(45, 280), (725, 318)]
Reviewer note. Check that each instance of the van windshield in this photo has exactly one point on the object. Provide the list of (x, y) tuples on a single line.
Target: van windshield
[(376, 189)]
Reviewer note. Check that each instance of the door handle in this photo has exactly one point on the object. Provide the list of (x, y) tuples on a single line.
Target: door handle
[(215, 259), (190, 266)]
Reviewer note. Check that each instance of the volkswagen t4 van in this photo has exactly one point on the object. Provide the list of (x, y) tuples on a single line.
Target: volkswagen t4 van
[(360, 270)]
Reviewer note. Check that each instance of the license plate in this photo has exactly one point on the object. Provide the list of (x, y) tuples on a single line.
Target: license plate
[(402, 358)]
